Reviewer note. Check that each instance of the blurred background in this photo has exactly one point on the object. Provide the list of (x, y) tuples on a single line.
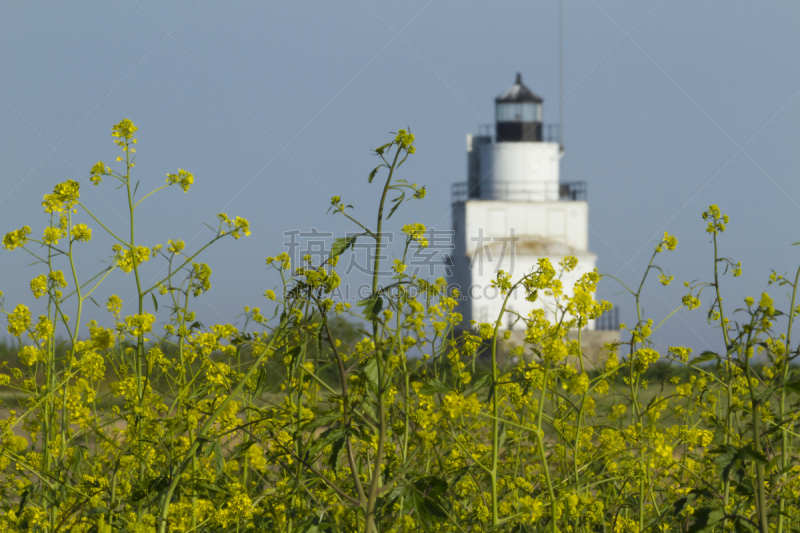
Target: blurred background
[(275, 107)]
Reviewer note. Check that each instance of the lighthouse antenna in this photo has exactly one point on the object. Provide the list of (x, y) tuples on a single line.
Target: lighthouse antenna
[(561, 74)]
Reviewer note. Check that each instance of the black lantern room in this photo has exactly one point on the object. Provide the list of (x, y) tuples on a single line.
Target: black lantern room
[(518, 113)]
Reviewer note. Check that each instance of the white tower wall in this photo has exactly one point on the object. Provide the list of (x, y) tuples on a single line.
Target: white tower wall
[(513, 236), (526, 171)]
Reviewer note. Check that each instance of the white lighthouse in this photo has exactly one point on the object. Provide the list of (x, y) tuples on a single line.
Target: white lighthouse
[(513, 209)]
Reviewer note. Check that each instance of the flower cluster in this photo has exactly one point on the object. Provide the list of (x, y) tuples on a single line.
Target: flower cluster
[(16, 238), (235, 227), (716, 220), (416, 232), (405, 140), (183, 178)]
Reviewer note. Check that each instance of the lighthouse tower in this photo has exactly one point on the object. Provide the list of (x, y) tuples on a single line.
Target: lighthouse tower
[(514, 210)]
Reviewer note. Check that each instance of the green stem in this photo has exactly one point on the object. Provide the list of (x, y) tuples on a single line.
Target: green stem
[(729, 369), (376, 473), (199, 437), (785, 445), (543, 454), (150, 194)]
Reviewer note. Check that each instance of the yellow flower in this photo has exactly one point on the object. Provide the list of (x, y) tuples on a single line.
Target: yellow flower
[(140, 324), (283, 259), (82, 233), (398, 266), (416, 232), (65, 196), (202, 278), (183, 178), (114, 305), (578, 384), (57, 277), (53, 234), (716, 220), (554, 350), (691, 302), (16, 238), (568, 263), (102, 338), (124, 131), (668, 241), (236, 227), (39, 286), (643, 358), (681, 353), (44, 329), (98, 171), (176, 246), (405, 139), (125, 258), (19, 321), (767, 304)]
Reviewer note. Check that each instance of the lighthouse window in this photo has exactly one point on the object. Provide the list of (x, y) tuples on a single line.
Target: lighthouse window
[(518, 112)]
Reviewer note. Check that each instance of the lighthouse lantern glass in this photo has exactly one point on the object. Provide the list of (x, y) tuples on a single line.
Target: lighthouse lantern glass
[(519, 112)]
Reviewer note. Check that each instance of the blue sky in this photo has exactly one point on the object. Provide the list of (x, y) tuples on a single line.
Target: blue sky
[(274, 106)]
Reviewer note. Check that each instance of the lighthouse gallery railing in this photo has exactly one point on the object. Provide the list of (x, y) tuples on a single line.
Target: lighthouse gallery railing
[(530, 191)]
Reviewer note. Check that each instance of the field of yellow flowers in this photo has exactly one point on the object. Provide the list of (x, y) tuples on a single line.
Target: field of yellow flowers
[(289, 423)]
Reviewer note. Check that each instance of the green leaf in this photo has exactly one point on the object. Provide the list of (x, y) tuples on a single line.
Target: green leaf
[(397, 492), (375, 170), (434, 386), (23, 501), (261, 381), (397, 201), (502, 439), (219, 460), (742, 526), (341, 244), (320, 329), (705, 518), (324, 420), (704, 358), (758, 457), (372, 306), (334, 458), (293, 353), (371, 372), (402, 161), (793, 385), (429, 496), (241, 339), (689, 498), (727, 456), (155, 302), (328, 437), (744, 488), (480, 383)]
